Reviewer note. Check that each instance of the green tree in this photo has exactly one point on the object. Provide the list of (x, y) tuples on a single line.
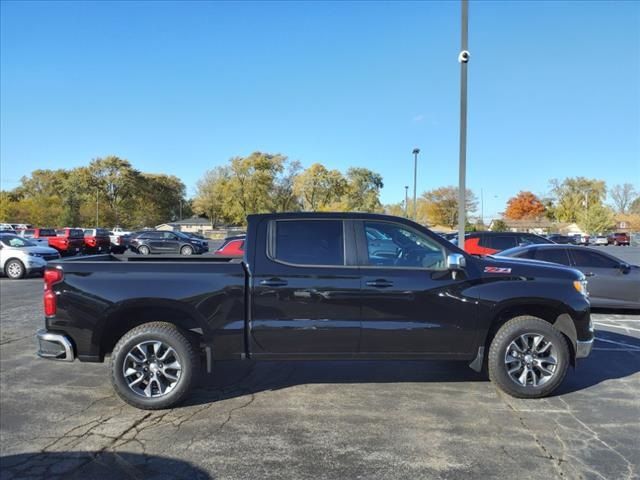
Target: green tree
[(318, 188), (573, 196), (117, 182), (499, 225), (211, 198), (362, 192), (158, 199), (396, 209), (597, 219), (441, 205), (284, 197)]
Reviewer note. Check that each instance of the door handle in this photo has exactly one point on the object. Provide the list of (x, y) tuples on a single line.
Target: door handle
[(273, 282), (379, 283)]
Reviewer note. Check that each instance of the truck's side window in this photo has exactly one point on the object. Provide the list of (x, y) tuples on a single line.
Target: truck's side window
[(309, 242), (402, 247)]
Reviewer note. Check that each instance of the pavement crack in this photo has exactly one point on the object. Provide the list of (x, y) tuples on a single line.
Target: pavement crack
[(235, 409)]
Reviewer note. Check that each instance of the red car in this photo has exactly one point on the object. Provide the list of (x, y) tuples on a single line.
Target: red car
[(619, 238), (488, 243), (231, 247), (39, 234), (96, 240), (68, 241)]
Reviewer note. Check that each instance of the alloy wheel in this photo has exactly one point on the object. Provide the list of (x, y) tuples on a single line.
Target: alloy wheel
[(531, 360), (152, 369)]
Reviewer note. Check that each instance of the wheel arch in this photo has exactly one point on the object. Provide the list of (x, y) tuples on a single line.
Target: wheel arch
[(550, 312), (127, 317)]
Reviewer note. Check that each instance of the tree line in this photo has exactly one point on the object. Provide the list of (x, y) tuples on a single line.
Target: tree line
[(109, 191)]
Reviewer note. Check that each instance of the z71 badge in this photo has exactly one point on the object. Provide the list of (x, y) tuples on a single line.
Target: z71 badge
[(497, 270)]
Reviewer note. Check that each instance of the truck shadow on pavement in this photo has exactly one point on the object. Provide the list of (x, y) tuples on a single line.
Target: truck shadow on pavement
[(615, 356), (97, 466)]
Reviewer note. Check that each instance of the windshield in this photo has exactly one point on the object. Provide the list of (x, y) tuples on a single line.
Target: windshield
[(15, 241)]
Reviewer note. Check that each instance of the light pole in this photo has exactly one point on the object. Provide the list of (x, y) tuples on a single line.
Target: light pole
[(97, 206), (406, 200), (416, 151), (463, 58)]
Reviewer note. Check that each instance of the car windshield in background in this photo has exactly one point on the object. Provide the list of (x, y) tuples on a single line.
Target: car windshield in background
[(73, 233), (15, 241), (47, 232)]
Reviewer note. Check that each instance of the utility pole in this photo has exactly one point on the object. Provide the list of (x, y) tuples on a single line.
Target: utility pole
[(416, 151), (97, 206), (463, 59), (181, 209), (406, 201)]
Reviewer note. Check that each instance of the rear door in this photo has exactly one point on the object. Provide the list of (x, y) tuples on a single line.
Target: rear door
[(305, 295), (155, 241), (411, 305)]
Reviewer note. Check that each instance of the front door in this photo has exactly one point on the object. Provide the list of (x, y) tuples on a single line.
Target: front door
[(305, 296), (170, 242), (411, 304)]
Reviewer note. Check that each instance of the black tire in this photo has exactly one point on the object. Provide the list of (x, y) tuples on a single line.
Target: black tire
[(186, 355), (186, 250), (511, 331), (14, 269), (144, 250)]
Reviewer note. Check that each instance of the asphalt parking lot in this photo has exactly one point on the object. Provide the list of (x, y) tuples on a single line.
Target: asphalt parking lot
[(372, 420)]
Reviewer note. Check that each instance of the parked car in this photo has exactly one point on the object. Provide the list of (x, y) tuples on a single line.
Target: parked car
[(68, 241), (581, 239), (563, 239), (612, 282), (308, 288), (156, 241), (488, 243), (119, 243), (120, 231), (197, 236), (619, 238), (599, 240), (96, 240), (231, 247), (20, 257), (6, 228), (39, 235)]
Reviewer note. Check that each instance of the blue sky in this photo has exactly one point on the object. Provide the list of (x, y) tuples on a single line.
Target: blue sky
[(554, 89)]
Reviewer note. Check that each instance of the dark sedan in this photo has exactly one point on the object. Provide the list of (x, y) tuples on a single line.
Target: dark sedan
[(612, 283), (155, 241)]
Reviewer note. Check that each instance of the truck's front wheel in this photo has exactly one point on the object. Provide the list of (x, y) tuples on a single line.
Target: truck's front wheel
[(528, 358), (153, 366)]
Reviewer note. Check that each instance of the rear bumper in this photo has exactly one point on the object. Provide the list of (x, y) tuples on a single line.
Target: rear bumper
[(54, 346)]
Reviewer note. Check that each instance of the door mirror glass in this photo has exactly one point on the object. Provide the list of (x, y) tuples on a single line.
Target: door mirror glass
[(456, 261), (625, 267)]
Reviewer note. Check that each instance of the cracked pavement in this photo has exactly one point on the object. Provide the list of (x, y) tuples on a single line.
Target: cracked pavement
[(373, 420)]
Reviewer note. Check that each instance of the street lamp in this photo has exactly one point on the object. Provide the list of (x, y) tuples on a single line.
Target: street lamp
[(416, 151), (406, 200), (463, 59)]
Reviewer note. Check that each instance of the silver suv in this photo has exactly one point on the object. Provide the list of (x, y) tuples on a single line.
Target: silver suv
[(20, 257)]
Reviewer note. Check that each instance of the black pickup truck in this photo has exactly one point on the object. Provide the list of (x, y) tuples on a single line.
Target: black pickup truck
[(317, 286)]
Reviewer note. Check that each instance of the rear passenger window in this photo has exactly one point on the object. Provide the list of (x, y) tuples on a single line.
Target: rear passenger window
[(502, 242), (309, 242), (553, 255)]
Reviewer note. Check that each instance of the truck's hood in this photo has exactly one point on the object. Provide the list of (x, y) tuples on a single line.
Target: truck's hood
[(496, 265)]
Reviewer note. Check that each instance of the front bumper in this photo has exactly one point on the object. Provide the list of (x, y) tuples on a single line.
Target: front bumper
[(583, 348), (54, 346)]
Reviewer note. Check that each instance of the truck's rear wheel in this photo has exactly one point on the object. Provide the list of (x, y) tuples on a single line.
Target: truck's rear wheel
[(528, 358), (153, 366)]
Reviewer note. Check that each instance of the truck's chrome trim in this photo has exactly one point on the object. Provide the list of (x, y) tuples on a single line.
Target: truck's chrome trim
[(61, 340), (583, 348)]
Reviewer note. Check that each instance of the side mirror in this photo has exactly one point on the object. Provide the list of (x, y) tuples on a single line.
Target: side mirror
[(625, 268), (456, 261)]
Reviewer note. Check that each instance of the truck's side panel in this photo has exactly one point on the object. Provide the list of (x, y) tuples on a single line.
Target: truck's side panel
[(94, 302)]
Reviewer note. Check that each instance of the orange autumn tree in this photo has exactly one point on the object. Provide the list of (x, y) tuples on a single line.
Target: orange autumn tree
[(524, 205)]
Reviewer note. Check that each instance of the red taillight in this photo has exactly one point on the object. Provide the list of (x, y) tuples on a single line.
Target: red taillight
[(50, 302)]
